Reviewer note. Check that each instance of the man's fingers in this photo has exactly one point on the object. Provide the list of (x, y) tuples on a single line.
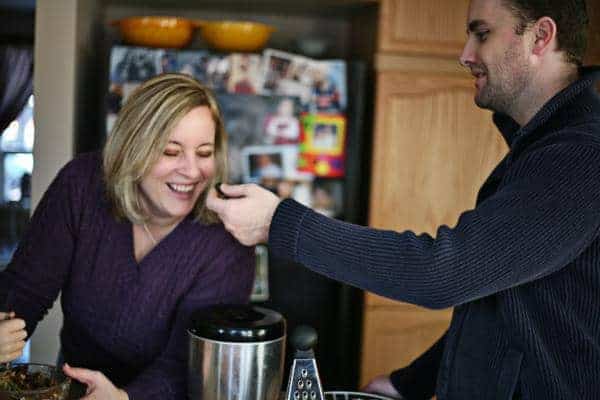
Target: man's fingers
[(247, 211), (214, 203), (235, 190)]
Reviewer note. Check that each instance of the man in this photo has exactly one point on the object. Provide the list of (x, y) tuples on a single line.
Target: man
[(523, 268)]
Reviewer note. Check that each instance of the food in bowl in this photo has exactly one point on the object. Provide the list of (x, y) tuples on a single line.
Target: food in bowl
[(229, 36), (33, 382)]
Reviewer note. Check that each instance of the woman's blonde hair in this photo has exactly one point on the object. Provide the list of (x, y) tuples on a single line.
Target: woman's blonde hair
[(141, 133)]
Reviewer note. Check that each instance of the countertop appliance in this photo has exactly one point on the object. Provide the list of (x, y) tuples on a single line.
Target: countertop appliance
[(304, 382), (235, 353)]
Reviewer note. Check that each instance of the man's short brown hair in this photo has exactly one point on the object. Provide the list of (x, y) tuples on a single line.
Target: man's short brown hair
[(571, 20)]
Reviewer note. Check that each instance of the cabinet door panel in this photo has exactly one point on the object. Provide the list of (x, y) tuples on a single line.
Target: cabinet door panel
[(395, 337), (423, 26), (432, 150), (593, 51)]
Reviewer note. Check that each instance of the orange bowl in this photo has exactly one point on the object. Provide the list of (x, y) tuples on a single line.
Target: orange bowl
[(172, 32), (235, 35)]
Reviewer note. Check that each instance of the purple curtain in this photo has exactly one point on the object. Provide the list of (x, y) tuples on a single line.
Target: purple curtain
[(16, 82)]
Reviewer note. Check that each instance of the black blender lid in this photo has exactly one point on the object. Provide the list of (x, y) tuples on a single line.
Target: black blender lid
[(237, 323)]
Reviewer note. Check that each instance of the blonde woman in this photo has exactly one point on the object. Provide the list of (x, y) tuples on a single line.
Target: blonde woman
[(126, 238)]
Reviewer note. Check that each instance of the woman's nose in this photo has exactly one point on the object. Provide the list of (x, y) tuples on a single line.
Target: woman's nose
[(191, 166)]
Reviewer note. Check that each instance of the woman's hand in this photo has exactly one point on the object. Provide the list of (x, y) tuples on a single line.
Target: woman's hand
[(12, 337), (382, 385), (99, 387)]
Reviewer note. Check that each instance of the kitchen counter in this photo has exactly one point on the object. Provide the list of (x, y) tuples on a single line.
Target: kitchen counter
[(78, 391)]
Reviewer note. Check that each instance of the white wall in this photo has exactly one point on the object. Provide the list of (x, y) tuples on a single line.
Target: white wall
[(57, 39)]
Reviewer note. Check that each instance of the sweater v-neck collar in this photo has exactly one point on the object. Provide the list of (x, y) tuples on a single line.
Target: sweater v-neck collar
[(159, 249), (513, 132)]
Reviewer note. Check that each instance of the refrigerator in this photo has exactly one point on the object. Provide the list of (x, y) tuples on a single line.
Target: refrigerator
[(301, 128)]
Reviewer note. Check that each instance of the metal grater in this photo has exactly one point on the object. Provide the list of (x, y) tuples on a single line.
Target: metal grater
[(304, 382)]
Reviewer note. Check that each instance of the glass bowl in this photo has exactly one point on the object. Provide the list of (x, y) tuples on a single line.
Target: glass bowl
[(33, 382)]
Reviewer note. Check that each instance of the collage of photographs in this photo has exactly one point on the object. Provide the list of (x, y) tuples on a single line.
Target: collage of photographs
[(284, 116)]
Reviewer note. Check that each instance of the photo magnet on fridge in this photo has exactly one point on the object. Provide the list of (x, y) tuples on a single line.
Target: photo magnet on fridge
[(322, 148)]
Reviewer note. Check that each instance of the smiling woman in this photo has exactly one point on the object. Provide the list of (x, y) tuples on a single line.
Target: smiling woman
[(139, 250), (166, 109), (166, 148)]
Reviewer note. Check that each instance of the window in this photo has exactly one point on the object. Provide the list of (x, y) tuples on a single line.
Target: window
[(16, 166), (16, 146)]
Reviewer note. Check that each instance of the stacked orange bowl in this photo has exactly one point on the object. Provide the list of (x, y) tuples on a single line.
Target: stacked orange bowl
[(176, 32), (244, 36), (172, 32)]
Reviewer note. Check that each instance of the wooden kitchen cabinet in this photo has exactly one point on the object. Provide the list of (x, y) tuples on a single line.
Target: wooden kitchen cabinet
[(593, 51), (397, 333), (422, 27), (432, 150)]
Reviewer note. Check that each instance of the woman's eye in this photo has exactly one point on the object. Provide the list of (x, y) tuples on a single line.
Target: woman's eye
[(205, 154), (171, 153), (482, 36)]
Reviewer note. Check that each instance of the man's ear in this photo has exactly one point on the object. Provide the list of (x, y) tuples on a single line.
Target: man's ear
[(544, 31)]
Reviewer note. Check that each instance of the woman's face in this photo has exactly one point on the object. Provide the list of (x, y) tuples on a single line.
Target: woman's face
[(184, 169)]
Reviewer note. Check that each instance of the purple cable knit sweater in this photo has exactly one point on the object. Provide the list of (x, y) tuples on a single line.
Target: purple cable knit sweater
[(124, 318)]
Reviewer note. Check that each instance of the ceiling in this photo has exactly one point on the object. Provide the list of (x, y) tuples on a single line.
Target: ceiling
[(315, 6), (21, 5), (29, 5)]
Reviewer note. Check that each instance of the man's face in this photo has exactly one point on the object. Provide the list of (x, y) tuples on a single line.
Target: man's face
[(496, 56)]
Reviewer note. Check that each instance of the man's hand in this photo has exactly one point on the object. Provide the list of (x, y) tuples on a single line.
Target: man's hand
[(12, 336), (246, 212), (382, 385), (99, 387)]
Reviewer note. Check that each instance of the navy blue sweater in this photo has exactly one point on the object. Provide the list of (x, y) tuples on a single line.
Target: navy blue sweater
[(522, 268)]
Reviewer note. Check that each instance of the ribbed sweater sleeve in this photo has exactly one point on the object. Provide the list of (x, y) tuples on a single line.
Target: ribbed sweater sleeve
[(544, 213), (41, 264)]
